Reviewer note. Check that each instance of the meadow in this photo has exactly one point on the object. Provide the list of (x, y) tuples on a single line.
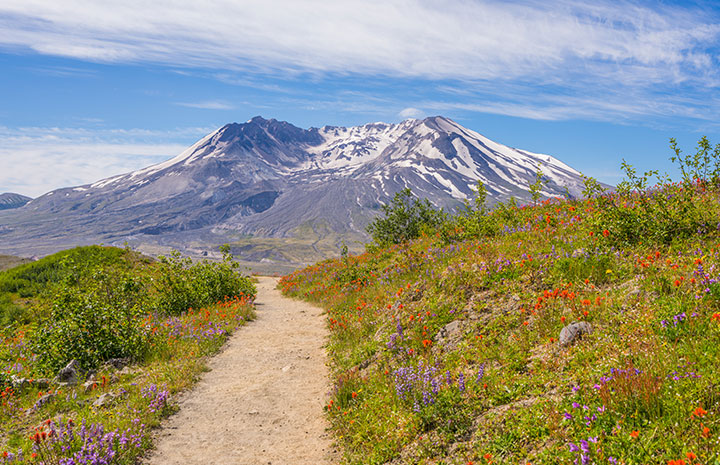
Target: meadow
[(445, 348), (139, 331)]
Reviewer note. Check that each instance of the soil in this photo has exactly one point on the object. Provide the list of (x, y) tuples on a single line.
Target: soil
[(262, 402)]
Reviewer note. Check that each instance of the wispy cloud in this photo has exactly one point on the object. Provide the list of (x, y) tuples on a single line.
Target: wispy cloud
[(37, 160), (468, 39), (209, 105), (599, 52)]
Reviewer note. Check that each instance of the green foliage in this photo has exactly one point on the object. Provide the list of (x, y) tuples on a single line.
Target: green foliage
[(11, 313), (180, 284), (488, 298), (704, 164), (405, 218), (535, 188), (98, 320), (668, 212), (30, 279), (471, 222), (596, 268)]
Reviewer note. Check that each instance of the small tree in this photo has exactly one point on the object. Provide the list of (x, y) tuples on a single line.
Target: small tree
[(536, 187), (405, 218)]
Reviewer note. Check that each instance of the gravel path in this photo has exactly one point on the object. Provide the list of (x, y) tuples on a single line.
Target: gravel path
[(262, 402)]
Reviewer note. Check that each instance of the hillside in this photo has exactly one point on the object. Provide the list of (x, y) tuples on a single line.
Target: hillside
[(574, 331), (94, 341), (9, 200)]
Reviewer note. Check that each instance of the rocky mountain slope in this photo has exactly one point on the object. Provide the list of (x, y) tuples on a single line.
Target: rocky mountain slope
[(10, 200), (268, 178)]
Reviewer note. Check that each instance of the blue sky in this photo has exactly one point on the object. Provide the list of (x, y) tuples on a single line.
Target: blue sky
[(89, 89)]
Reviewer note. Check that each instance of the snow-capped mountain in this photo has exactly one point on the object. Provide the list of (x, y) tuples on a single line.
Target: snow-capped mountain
[(269, 178)]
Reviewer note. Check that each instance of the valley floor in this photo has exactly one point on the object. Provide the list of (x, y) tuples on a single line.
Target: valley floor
[(262, 401)]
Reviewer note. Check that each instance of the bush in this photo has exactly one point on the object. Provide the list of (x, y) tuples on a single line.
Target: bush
[(179, 284), (662, 214), (405, 218), (11, 313), (96, 321), (473, 221)]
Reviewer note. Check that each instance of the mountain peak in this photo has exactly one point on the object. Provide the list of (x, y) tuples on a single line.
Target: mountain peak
[(270, 178)]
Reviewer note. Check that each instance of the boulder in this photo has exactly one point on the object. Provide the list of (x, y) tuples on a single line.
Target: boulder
[(70, 374), (104, 399), (573, 332)]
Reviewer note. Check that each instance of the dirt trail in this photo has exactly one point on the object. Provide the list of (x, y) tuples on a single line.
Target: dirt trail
[(262, 402)]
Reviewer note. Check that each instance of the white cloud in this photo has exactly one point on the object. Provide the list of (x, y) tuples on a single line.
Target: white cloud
[(209, 105), (411, 112), (34, 161), (456, 39)]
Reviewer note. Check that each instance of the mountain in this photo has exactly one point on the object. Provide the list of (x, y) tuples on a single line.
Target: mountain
[(268, 178), (9, 200)]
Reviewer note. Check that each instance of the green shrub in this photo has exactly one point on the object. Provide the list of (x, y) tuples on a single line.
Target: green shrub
[(96, 321), (668, 212), (179, 284), (405, 218), (473, 221)]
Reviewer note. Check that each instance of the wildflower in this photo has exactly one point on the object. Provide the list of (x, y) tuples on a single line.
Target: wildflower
[(690, 456), (705, 431), (699, 412), (634, 434)]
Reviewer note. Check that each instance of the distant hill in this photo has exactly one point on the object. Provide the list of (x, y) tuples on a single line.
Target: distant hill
[(9, 200), (270, 179)]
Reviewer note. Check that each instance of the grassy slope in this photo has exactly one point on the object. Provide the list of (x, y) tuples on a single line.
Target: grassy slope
[(119, 430), (448, 353)]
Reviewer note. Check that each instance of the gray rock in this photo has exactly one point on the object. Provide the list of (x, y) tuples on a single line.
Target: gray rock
[(104, 399), (19, 383), (118, 363), (42, 383), (70, 374), (127, 371), (450, 331), (573, 332)]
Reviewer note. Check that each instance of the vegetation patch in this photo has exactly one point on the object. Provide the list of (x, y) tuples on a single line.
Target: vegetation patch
[(103, 339), (445, 347)]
